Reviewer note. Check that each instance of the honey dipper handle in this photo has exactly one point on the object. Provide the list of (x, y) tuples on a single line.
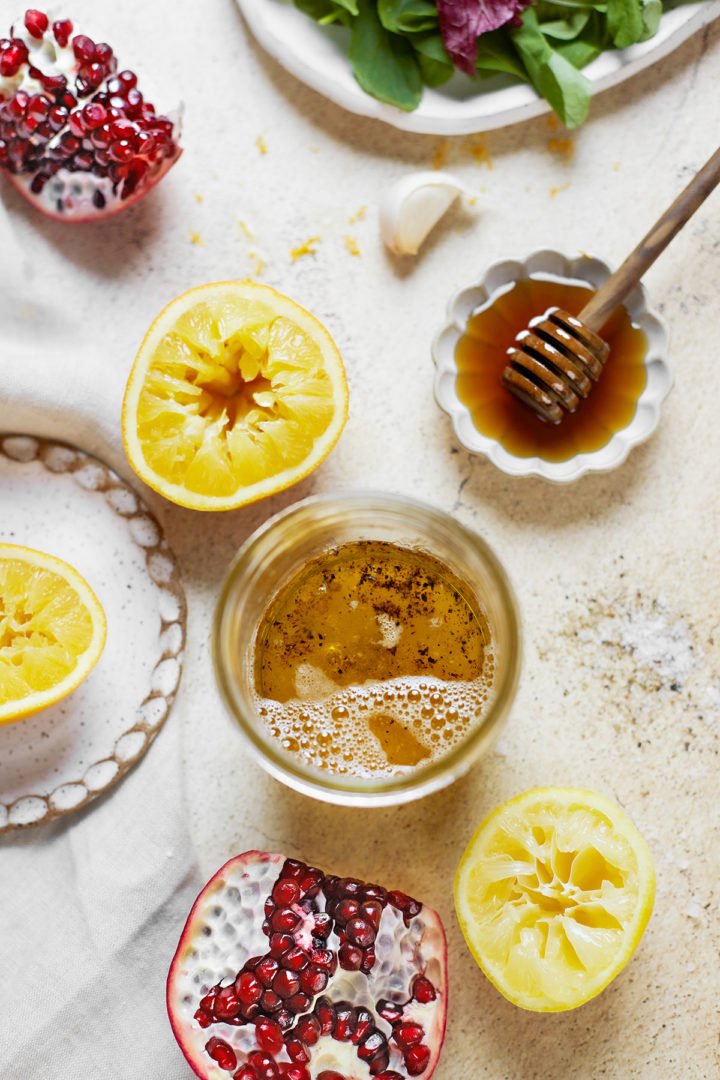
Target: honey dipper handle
[(618, 285)]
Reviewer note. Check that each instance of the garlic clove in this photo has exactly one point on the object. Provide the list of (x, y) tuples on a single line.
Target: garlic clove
[(412, 206)]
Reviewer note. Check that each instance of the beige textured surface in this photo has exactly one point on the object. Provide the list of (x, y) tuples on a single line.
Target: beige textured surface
[(617, 575)]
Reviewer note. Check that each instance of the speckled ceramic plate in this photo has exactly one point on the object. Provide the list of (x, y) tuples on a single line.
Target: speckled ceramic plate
[(317, 55), (58, 499)]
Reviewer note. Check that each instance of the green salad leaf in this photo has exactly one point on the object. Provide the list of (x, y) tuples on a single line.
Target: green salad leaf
[(399, 46)]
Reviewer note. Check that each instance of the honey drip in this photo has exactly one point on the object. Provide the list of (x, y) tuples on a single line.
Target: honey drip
[(480, 356)]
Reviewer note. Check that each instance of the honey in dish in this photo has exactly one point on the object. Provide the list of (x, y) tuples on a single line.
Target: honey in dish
[(480, 357), (371, 660)]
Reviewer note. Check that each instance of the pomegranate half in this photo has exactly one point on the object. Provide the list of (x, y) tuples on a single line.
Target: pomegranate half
[(286, 973), (77, 138)]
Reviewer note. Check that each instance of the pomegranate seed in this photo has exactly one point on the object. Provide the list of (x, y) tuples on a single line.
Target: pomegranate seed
[(83, 47), (91, 74), (284, 918), (346, 909), (364, 1025), (62, 29), (284, 1018), (345, 1022), (292, 868), (279, 943), (252, 1012), (36, 22), (330, 1074), (298, 1003), (325, 1012), (380, 1061), (408, 1035), (297, 1052), (76, 125), (360, 932), (308, 1030), (390, 1075), (286, 893), (310, 881), (286, 983), (39, 106), (270, 1002), (294, 1072), (134, 102), (245, 1073), (372, 911), (350, 887), (323, 924), (252, 963), (264, 1066), (128, 80), (294, 959), (324, 958), (313, 981), (369, 1048), (54, 84), (94, 116), (389, 1010), (423, 990), (248, 988), (207, 1003), (103, 53), (375, 892), (204, 1019), (221, 1052), (350, 957), (269, 1036), (368, 961), (269, 907), (11, 60), (416, 1060), (227, 1003), (266, 970)]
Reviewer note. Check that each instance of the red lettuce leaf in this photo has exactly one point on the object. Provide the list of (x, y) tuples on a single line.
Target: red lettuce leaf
[(462, 22)]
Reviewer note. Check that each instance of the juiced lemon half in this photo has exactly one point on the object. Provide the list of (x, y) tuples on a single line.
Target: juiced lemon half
[(553, 894), (52, 631), (236, 393)]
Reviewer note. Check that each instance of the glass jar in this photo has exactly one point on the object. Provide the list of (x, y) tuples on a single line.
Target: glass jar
[(279, 550)]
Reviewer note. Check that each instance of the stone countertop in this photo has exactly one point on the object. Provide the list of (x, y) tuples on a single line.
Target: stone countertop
[(617, 575)]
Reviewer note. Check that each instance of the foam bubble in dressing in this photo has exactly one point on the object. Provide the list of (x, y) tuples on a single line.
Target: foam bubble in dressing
[(372, 660)]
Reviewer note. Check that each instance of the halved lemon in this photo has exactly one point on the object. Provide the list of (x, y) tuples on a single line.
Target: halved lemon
[(236, 393), (553, 894), (52, 631)]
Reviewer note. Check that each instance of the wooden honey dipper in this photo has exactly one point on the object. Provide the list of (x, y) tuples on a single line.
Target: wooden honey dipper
[(556, 361)]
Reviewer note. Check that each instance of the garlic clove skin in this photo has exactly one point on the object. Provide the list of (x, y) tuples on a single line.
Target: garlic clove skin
[(412, 206)]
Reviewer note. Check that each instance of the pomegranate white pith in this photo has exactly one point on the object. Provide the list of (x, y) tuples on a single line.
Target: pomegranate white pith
[(286, 973), (77, 139)]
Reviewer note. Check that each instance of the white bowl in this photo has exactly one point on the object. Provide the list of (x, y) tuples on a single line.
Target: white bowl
[(550, 266)]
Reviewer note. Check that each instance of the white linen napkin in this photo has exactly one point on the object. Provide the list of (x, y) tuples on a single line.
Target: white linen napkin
[(91, 907)]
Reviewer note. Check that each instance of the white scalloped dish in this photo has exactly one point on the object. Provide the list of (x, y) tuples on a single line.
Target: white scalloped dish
[(553, 267)]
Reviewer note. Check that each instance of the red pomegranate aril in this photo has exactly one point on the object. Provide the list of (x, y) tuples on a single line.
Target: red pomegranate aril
[(298, 1003), (39, 106), (368, 961), (279, 944), (121, 151), (364, 1024), (408, 1035), (264, 1066), (227, 1004), (323, 924), (423, 990), (221, 1052), (248, 988), (313, 981), (284, 1018), (389, 1010), (374, 1042), (325, 1012), (128, 79), (286, 983), (204, 1019), (62, 29), (269, 1036), (324, 958), (36, 22), (285, 919), (344, 1022), (286, 892), (350, 957), (294, 1071), (83, 47), (296, 1051), (266, 970), (94, 116), (330, 1074), (346, 909), (103, 53), (207, 1003), (294, 958), (10, 61), (375, 892), (416, 1060), (270, 1001), (245, 1073), (54, 84), (360, 932), (390, 1075), (372, 911), (308, 1030)]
